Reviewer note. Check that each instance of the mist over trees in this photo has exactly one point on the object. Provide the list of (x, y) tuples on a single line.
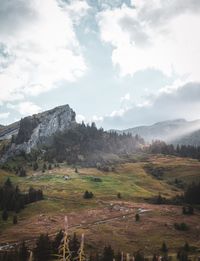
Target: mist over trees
[(160, 147), (86, 139)]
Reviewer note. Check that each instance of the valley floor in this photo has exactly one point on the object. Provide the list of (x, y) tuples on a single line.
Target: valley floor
[(106, 219)]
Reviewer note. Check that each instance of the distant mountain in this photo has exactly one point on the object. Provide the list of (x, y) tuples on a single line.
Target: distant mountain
[(189, 139), (173, 131)]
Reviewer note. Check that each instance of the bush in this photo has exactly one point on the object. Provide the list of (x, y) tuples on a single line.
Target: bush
[(15, 221), (119, 195), (137, 217), (96, 179), (88, 195), (181, 226), (188, 210)]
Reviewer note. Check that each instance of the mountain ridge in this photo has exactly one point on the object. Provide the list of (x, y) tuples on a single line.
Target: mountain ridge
[(170, 131)]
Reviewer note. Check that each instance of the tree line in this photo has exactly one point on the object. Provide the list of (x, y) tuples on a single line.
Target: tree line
[(86, 139), (12, 199), (73, 247), (160, 147)]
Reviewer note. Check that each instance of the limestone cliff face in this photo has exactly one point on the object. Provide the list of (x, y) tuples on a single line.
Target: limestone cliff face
[(37, 130)]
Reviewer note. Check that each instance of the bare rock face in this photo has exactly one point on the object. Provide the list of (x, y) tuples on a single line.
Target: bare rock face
[(37, 130)]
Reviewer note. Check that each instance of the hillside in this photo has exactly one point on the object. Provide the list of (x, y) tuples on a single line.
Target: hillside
[(106, 218), (177, 131)]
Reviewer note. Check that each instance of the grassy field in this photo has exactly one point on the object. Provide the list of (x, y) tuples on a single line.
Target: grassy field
[(106, 218)]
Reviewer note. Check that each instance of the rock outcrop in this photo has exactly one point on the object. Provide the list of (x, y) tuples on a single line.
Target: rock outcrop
[(37, 130)]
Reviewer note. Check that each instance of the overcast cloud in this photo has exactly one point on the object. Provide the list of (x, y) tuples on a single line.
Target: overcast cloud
[(183, 102), (39, 47), (120, 63)]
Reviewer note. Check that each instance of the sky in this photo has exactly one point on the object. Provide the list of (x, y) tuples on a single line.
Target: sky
[(120, 63)]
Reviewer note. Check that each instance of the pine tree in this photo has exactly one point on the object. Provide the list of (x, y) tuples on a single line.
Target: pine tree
[(139, 256), (35, 166), (23, 252), (44, 167), (164, 248), (43, 250), (74, 246), (5, 215), (119, 195), (8, 183), (108, 254), (155, 258), (15, 220), (57, 241), (186, 247), (137, 217)]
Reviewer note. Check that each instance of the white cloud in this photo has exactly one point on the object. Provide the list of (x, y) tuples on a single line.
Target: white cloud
[(80, 118), (157, 34), (39, 47), (4, 115), (27, 108), (77, 9), (169, 104), (125, 98)]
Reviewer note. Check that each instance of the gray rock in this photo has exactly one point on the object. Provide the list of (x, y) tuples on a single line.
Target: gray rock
[(38, 130)]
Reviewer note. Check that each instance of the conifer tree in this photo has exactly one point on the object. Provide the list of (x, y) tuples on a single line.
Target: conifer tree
[(5, 215), (23, 252)]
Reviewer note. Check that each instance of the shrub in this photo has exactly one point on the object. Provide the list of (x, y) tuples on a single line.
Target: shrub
[(119, 195), (181, 226), (137, 217), (15, 221), (88, 195)]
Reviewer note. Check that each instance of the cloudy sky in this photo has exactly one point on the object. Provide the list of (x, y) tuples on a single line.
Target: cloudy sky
[(120, 63)]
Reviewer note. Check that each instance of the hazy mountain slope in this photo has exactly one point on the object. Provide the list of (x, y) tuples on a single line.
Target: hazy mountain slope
[(190, 139), (168, 131)]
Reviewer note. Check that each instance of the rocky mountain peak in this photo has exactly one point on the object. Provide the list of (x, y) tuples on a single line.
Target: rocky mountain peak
[(38, 129)]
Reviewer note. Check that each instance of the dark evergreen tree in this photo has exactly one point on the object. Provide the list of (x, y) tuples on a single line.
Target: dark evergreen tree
[(5, 215), (119, 196), (23, 252), (186, 247), (35, 166), (108, 254), (139, 256), (137, 217), (57, 241), (164, 248), (182, 255), (15, 220), (43, 250), (74, 246), (155, 257), (8, 183), (44, 167)]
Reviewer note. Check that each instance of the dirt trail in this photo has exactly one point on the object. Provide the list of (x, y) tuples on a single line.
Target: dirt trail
[(11, 245)]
